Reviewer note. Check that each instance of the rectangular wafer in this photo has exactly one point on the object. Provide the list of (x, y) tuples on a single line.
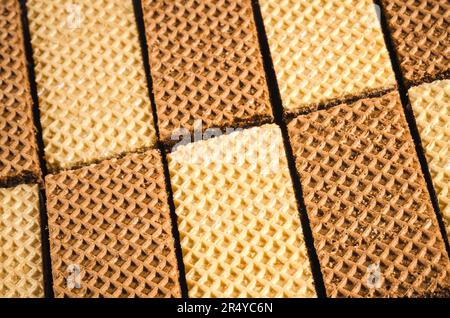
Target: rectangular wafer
[(111, 231), (420, 31), (324, 51), (21, 273), (239, 226), (18, 150), (206, 65), (92, 89), (374, 228), (431, 105)]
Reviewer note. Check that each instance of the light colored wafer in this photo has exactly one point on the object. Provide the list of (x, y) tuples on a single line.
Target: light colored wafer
[(91, 82), (238, 220), (326, 50), (20, 243), (431, 105), (18, 151)]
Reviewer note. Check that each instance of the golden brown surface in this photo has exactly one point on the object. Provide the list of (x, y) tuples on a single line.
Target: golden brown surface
[(18, 150), (421, 33), (110, 228), (206, 64), (374, 227)]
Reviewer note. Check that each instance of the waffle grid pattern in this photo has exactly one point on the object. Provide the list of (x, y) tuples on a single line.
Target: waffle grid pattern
[(238, 221), (21, 273), (324, 51), (421, 33), (92, 89), (110, 226), (431, 105), (18, 151), (368, 203), (374, 228), (206, 64)]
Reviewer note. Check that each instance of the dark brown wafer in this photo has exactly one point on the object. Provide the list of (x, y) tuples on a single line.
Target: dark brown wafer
[(110, 230), (421, 33), (374, 227), (206, 64), (18, 151)]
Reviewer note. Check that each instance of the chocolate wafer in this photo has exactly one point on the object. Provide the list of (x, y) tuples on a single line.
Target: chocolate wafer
[(237, 217), (420, 31), (111, 231), (373, 224), (92, 89), (431, 105), (206, 65), (324, 51), (18, 151), (20, 243)]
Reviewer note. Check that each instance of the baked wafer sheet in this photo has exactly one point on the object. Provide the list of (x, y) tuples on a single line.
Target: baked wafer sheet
[(239, 225), (92, 89), (375, 230)]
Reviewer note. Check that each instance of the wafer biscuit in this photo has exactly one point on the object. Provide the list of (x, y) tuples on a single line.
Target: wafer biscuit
[(238, 221), (18, 151), (420, 31), (373, 224), (324, 51), (20, 243), (206, 65), (431, 105), (110, 230), (92, 89)]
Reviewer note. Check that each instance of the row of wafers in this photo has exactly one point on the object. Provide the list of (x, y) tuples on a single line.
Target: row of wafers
[(170, 176)]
